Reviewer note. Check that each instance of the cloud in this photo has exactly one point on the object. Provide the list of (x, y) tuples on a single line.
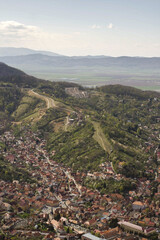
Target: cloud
[(16, 34), (138, 45), (77, 33), (27, 35), (95, 26), (110, 26), (10, 28), (156, 45)]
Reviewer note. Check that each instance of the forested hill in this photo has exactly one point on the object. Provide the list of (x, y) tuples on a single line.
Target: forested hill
[(6, 71), (85, 127), (14, 76), (120, 90), (17, 78)]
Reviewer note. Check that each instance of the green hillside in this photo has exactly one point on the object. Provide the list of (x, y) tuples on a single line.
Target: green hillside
[(113, 123)]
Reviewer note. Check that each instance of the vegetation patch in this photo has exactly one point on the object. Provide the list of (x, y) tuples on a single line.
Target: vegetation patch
[(77, 148)]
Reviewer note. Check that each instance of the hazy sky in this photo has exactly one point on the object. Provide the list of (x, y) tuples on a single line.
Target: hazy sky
[(82, 27)]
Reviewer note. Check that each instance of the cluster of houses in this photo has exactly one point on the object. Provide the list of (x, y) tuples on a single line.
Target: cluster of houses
[(54, 203)]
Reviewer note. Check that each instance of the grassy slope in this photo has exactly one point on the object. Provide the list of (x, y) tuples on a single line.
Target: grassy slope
[(116, 113), (101, 138), (30, 109), (77, 148)]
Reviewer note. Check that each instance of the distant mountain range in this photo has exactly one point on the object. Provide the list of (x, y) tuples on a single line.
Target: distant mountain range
[(48, 62), (10, 51), (85, 70)]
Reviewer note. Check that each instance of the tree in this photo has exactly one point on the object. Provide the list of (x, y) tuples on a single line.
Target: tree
[(113, 223)]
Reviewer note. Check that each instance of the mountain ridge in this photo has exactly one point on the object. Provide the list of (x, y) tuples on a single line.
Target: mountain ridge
[(12, 51), (141, 72), (90, 61)]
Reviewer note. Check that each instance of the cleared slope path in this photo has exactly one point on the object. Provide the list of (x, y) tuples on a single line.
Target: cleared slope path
[(100, 137), (102, 140), (50, 103)]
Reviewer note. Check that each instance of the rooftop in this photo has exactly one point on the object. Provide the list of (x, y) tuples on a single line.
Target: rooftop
[(92, 237), (131, 225)]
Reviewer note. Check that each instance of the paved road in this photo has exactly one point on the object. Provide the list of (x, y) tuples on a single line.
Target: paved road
[(33, 232), (49, 101)]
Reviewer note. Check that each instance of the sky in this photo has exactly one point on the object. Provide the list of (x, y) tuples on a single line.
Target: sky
[(82, 27)]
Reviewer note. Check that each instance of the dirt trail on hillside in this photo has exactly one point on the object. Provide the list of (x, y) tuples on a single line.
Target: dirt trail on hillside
[(100, 138), (50, 103)]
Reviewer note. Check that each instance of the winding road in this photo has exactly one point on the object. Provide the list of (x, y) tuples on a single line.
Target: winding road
[(50, 103)]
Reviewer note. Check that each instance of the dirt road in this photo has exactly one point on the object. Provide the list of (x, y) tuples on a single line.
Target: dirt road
[(50, 103)]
